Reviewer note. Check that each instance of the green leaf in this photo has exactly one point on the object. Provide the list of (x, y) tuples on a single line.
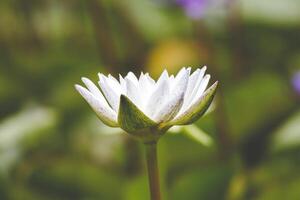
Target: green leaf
[(131, 118), (199, 108), (287, 136), (197, 134)]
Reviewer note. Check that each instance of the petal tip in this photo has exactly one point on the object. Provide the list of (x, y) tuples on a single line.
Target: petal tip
[(101, 76), (84, 79), (212, 89), (165, 72), (78, 87), (189, 69), (215, 84), (207, 76)]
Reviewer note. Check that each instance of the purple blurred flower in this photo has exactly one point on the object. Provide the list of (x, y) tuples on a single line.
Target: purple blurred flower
[(195, 9), (296, 82)]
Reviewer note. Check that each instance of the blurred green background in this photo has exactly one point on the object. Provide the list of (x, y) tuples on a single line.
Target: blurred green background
[(52, 146)]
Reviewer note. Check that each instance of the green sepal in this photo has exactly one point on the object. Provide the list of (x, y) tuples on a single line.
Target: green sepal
[(131, 118), (200, 109)]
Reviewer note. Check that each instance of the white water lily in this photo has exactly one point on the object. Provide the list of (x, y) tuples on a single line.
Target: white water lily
[(142, 105)]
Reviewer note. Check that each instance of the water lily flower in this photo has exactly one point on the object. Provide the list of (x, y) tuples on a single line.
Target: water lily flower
[(147, 108)]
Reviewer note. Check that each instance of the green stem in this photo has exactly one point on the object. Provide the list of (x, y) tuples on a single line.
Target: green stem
[(153, 174)]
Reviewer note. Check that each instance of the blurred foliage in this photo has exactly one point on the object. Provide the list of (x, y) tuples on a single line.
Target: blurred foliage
[(52, 146)]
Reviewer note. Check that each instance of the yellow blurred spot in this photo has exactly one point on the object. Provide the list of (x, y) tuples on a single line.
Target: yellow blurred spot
[(237, 187), (174, 54)]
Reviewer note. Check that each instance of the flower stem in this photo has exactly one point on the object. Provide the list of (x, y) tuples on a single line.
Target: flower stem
[(153, 173)]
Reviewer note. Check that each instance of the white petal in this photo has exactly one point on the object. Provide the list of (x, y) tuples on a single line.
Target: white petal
[(170, 108), (142, 74), (112, 82), (157, 98), (115, 83), (194, 82), (191, 94), (132, 92), (171, 79), (146, 87), (94, 90), (132, 77), (148, 82), (197, 96), (195, 104), (189, 69), (143, 82), (149, 79), (141, 77), (111, 96), (173, 102), (163, 76), (105, 113), (180, 82), (180, 74), (123, 84), (201, 88), (196, 75)]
